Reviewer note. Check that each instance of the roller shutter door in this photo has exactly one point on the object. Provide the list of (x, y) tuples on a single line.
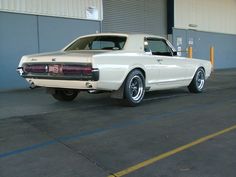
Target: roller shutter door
[(142, 16)]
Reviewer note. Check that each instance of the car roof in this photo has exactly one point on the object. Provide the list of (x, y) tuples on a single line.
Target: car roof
[(135, 41), (125, 34)]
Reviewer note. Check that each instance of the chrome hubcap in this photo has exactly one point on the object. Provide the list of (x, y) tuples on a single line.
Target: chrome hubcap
[(200, 80), (136, 88)]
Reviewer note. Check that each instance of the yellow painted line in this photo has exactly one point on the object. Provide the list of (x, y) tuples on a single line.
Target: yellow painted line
[(170, 153)]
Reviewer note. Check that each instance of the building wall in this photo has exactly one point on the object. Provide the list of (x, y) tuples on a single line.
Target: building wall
[(211, 15), (201, 41), (23, 34), (33, 26), (79, 9), (202, 24), (55, 33)]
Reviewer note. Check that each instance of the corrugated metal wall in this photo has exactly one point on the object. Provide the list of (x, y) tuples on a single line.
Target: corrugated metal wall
[(145, 16), (214, 16), (80, 9)]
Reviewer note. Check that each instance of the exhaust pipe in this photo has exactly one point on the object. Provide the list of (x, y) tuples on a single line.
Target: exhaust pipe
[(89, 85), (32, 85)]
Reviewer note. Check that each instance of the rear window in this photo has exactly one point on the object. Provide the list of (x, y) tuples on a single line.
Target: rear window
[(98, 43)]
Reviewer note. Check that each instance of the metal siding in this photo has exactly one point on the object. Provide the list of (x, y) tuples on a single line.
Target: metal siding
[(58, 8), (213, 16), (144, 16), (156, 17)]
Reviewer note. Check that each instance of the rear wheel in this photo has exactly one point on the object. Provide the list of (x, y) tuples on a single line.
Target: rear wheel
[(134, 88), (65, 94), (198, 82)]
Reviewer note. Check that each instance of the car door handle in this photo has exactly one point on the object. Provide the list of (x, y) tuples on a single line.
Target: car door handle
[(159, 60)]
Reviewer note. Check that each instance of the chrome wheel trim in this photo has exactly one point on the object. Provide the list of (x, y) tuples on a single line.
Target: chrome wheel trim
[(200, 80), (136, 88)]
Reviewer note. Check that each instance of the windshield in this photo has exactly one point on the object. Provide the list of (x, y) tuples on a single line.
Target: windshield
[(98, 43)]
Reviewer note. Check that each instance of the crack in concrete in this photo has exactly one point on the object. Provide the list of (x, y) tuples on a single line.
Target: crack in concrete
[(79, 153)]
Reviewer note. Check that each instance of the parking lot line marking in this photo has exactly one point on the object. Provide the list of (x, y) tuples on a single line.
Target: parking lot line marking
[(170, 153), (28, 148)]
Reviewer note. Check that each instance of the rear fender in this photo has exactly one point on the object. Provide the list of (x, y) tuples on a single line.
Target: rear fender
[(119, 94)]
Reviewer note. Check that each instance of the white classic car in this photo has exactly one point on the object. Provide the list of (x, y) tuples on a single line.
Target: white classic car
[(127, 65)]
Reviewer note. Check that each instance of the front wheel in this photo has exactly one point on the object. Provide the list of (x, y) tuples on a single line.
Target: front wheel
[(198, 82), (134, 89), (65, 94)]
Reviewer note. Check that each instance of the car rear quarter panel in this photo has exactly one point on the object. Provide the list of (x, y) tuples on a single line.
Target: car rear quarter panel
[(198, 63), (114, 68)]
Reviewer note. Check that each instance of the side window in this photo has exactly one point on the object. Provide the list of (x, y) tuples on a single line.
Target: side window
[(97, 45), (157, 47)]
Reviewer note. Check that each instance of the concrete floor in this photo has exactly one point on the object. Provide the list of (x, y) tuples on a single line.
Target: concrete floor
[(94, 136)]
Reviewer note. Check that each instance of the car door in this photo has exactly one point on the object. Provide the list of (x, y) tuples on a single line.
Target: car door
[(170, 69)]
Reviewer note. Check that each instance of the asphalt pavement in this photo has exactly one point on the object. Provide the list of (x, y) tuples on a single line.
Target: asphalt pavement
[(172, 133)]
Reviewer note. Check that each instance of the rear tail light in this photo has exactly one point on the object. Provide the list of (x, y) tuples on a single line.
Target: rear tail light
[(59, 70), (77, 69), (35, 68), (87, 70)]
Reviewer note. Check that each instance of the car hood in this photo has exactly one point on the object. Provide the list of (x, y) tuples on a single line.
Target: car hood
[(62, 56)]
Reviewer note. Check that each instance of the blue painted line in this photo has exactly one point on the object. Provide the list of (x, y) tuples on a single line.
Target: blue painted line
[(126, 124), (28, 148), (96, 131), (71, 138), (81, 135)]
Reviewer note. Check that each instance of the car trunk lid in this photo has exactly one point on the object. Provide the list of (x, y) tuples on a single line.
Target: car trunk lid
[(63, 57)]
